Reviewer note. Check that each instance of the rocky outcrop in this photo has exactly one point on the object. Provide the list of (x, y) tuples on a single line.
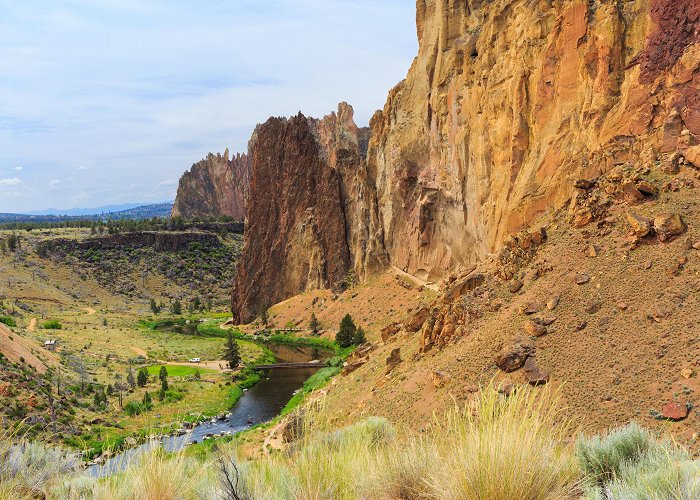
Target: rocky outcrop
[(215, 186), (509, 101), (162, 241), (512, 109), (308, 193)]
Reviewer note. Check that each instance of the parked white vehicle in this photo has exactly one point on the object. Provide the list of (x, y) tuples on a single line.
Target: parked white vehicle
[(195, 360)]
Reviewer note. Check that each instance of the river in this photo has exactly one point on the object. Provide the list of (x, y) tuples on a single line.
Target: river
[(260, 403)]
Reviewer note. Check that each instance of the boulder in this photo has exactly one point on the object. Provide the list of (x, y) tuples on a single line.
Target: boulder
[(585, 184), (531, 308), (535, 328), (390, 330), (692, 155), (440, 378), (641, 226), (647, 188), (533, 373), (515, 286), (630, 193), (416, 322), (552, 303), (674, 411), (393, 360), (513, 358), (668, 226), (350, 367), (582, 279)]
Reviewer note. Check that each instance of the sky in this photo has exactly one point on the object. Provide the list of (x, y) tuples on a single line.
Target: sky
[(110, 101)]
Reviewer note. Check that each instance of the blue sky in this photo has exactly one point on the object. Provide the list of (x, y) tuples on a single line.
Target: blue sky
[(109, 101)]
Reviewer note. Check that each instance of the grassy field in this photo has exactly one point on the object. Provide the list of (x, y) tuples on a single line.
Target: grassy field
[(179, 370)]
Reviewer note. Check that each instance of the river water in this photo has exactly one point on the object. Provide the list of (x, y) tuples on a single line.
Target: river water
[(260, 403)]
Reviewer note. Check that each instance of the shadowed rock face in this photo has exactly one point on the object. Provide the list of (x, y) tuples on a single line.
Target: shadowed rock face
[(506, 105), (298, 235), (215, 186)]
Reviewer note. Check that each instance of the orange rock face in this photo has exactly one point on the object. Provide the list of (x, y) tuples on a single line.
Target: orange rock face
[(507, 104)]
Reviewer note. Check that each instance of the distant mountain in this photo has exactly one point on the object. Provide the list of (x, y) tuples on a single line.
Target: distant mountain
[(134, 212), (92, 211)]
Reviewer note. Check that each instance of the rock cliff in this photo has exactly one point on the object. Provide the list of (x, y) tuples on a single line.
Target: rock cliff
[(305, 181), (215, 186), (506, 105), (509, 101)]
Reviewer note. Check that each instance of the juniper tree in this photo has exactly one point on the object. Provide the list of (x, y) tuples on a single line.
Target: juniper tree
[(142, 377), (232, 353), (346, 333), (314, 324)]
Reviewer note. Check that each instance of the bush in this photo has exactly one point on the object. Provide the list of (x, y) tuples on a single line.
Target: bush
[(8, 320), (133, 408), (602, 458), (52, 324), (630, 463)]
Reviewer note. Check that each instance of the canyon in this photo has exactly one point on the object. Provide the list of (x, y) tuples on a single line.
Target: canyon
[(506, 105)]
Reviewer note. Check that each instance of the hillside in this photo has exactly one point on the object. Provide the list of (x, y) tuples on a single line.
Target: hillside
[(514, 116), (605, 313), (135, 213)]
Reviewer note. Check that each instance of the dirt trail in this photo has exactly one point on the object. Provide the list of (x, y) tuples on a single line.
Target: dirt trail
[(139, 351), (32, 325), (416, 280), (89, 310)]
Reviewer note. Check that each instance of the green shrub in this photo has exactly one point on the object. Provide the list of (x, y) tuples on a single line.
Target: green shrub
[(133, 408), (629, 463), (52, 324), (602, 458), (8, 320)]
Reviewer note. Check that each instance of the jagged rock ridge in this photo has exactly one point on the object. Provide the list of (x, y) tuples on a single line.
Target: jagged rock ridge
[(301, 232), (214, 186)]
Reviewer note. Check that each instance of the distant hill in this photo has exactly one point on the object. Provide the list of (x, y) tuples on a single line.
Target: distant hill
[(133, 212), (92, 211)]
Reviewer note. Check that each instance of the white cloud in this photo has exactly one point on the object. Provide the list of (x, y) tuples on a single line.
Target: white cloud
[(168, 182), (19, 169), (54, 182), (10, 181), (82, 168)]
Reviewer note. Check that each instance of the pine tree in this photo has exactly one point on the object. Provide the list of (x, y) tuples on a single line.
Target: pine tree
[(176, 308), (163, 376), (232, 353), (314, 324), (147, 401), (346, 333), (360, 337), (142, 377)]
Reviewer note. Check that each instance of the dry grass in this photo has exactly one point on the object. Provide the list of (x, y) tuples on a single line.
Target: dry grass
[(500, 448)]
